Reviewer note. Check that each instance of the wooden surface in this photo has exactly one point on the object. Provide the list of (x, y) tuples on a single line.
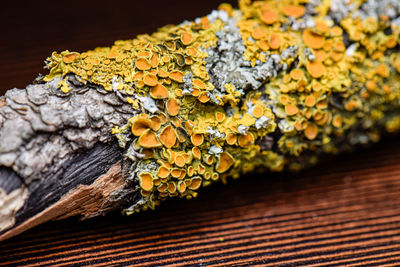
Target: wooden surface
[(345, 211)]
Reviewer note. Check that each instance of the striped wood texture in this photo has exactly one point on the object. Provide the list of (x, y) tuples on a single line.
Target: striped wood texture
[(344, 212)]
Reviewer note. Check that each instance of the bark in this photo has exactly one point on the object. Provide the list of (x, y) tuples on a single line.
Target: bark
[(59, 158)]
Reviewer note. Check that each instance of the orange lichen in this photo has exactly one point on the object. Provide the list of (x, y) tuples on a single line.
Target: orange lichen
[(291, 110), (181, 186), (336, 56), (162, 118), (176, 172), (316, 69), (231, 139), (146, 181), (187, 38), (69, 58), (148, 153), (190, 171), (172, 107), (201, 169), (199, 84), (138, 75), (140, 125), (321, 55), (258, 111), (311, 131), (204, 98), (327, 45), (159, 92), (296, 74), (148, 139), (170, 156), (294, 11), (336, 31), (257, 33), (219, 116), (371, 85), (225, 161), (196, 92), (142, 64), (196, 152), (187, 157), (112, 54), (183, 174), (180, 160), (195, 183), (176, 76), (263, 44), (197, 139), (351, 105), (168, 136), (163, 172), (154, 60), (274, 41), (337, 121), (162, 73), (269, 17), (208, 159), (150, 79), (312, 39), (145, 54), (155, 123), (310, 101), (227, 8), (391, 42), (321, 27), (383, 70), (176, 121), (171, 187), (246, 140), (397, 66), (339, 46), (191, 51), (162, 187)]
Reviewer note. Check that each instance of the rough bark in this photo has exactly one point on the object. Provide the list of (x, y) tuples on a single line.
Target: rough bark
[(59, 158)]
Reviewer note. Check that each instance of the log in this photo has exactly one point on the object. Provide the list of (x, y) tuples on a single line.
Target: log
[(270, 86), (60, 174)]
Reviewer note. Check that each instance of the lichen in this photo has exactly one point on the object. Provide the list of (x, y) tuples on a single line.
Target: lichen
[(272, 85)]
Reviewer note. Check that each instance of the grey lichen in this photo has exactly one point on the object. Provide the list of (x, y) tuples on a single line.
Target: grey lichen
[(226, 63)]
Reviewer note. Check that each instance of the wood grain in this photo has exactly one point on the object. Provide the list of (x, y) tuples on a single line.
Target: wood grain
[(344, 212)]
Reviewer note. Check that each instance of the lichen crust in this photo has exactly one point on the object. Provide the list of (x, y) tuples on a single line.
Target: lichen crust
[(272, 85)]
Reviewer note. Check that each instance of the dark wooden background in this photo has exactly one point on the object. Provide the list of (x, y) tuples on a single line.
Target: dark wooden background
[(345, 211)]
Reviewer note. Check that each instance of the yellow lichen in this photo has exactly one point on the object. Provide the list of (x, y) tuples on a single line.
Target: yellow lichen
[(200, 131)]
